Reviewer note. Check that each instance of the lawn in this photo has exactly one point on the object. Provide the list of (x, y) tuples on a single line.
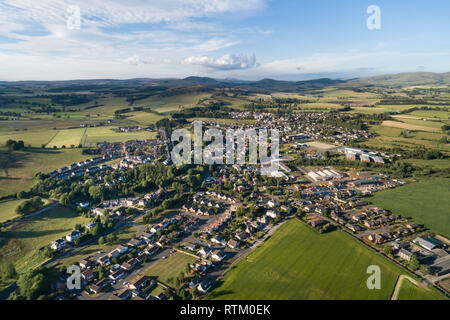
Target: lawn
[(296, 262), (170, 267), (409, 291), (25, 237), (426, 202), (23, 165)]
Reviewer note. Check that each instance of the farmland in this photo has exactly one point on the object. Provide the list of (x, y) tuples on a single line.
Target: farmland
[(426, 202), (8, 209), (409, 291), (22, 166), (310, 266)]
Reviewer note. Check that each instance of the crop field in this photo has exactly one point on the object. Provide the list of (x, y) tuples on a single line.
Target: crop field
[(21, 166), (409, 291), (426, 202), (170, 267), (390, 136), (408, 126), (67, 138), (26, 236), (309, 266)]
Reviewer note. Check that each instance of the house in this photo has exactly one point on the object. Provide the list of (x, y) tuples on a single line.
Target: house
[(74, 235), (99, 286), (233, 243), (272, 213), (116, 275), (219, 240), (317, 222), (134, 242), (205, 285), (85, 263), (204, 252), (88, 275), (241, 235), (400, 245), (140, 283), (353, 227), (124, 294), (194, 282), (405, 254), (58, 244), (218, 255), (190, 246), (104, 260)]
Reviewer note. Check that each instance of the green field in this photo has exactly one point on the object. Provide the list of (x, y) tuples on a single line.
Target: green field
[(22, 165), (67, 138), (102, 134), (298, 263), (25, 237), (409, 291), (427, 202), (170, 267), (8, 209)]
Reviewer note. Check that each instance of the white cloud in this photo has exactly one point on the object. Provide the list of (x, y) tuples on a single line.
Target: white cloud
[(229, 61)]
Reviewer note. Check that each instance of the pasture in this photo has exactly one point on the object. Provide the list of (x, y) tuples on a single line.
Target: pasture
[(426, 202), (309, 266), (67, 138), (8, 209), (21, 166), (102, 134)]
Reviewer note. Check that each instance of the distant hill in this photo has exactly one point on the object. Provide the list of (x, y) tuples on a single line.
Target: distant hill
[(406, 79)]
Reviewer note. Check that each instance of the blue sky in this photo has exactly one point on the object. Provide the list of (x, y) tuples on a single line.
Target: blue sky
[(252, 39)]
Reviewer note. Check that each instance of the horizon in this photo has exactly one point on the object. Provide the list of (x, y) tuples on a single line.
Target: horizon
[(231, 80), (258, 39)]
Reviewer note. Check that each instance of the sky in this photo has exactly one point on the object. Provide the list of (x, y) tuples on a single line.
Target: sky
[(240, 39)]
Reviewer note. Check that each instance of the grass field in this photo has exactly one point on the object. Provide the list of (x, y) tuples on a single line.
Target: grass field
[(8, 209), (33, 138), (25, 237), (26, 163), (102, 134), (426, 202), (170, 267), (67, 138), (409, 291), (298, 263)]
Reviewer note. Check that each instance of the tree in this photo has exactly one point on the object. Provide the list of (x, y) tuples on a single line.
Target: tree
[(387, 249), (7, 270), (424, 269), (96, 192), (414, 263), (32, 284), (101, 240)]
